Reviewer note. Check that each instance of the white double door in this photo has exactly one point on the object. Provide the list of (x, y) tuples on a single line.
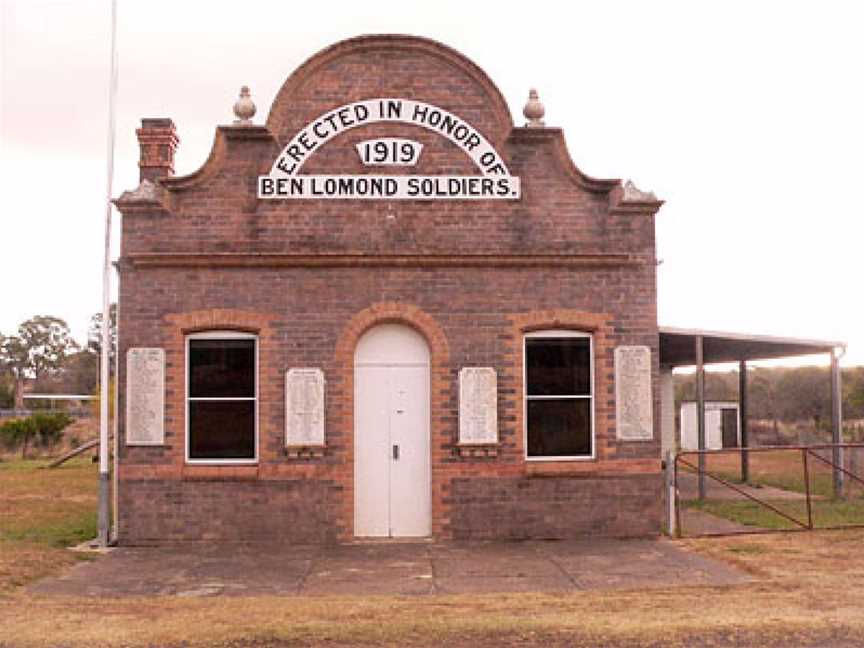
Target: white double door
[(392, 490)]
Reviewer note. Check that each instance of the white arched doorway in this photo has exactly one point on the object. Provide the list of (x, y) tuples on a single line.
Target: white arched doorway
[(392, 485)]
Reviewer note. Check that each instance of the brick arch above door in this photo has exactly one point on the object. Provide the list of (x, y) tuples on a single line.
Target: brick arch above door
[(341, 402)]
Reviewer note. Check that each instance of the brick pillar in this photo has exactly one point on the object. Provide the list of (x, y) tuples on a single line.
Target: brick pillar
[(158, 141)]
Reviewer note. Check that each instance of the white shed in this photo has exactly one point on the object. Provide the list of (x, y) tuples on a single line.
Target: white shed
[(722, 425)]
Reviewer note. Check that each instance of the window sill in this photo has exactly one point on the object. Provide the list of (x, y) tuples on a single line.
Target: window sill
[(562, 460)]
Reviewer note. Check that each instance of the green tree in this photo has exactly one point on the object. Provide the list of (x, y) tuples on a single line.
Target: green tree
[(853, 389), (94, 334), (764, 397), (806, 394), (39, 349), (77, 375), (7, 389)]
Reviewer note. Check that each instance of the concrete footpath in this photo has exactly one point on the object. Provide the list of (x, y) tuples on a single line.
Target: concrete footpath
[(388, 568)]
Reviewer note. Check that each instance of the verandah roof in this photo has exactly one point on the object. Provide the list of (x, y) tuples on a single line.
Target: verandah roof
[(678, 346)]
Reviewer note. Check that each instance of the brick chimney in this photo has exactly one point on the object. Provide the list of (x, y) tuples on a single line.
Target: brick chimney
[(158, 141)]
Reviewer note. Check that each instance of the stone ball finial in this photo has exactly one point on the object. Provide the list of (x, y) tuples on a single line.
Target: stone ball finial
[(534, 110), (244, 107)]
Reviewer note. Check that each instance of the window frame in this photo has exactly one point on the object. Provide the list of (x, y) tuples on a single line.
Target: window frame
[(220, 335), (558, 334)]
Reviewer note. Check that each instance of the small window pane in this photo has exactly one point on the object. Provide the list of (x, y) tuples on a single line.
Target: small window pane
[(558, 366), (559, 428), (221, 368), (221, 429)]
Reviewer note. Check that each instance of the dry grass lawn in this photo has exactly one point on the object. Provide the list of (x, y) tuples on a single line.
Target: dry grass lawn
[(808, 590), (41, 513)]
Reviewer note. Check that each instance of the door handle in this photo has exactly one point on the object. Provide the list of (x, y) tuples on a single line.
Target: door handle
[(395, 452)]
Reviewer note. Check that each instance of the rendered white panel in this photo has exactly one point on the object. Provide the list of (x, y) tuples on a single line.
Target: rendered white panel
[(284, 181), (478, 405), (389, 187), (304, 407), (325, 127), (145, 396), (389, 151), (634, 418)]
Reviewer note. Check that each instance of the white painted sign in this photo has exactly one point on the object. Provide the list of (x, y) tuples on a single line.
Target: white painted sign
[(478, 405), (366, 187), (284, 180), (304, 407), (634, 418), (145, 396), (389, 151)]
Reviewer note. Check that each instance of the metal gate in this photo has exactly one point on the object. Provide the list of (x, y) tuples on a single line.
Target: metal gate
[(765, 490)]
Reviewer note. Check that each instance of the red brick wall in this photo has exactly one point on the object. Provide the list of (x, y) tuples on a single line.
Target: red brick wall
[(310, 277)]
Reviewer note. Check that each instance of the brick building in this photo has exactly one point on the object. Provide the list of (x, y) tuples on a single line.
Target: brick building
[(388, 311)]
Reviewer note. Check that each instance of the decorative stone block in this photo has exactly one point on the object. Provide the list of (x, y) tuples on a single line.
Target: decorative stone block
[(478, 451), (304, 452), (478, 406), (304, 408), (634, 418), (145, 396)]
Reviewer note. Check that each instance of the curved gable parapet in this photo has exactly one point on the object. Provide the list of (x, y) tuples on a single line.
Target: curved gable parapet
[(208, 169), (389, 65), (532, 137), (227, 143)]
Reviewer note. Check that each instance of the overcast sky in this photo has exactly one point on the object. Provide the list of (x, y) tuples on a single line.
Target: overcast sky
[(747, 118)]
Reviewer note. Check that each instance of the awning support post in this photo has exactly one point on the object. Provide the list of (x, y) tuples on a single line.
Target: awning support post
[(700, 413), (836, 424), (742, 415), (669, 475)]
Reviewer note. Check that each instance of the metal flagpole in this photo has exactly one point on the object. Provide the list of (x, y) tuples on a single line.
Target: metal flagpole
[(115, 429), (104, 386)]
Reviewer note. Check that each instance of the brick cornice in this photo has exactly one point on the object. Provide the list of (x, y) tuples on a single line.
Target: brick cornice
[(276, 260)]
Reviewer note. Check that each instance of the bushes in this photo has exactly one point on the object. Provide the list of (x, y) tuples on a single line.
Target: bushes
[(42, 429), (49, 427), (17, 433)]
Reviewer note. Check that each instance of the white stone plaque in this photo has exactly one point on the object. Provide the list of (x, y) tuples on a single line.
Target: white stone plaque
[(478, 406), (145, 397), (634, 416), (304, 407)]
